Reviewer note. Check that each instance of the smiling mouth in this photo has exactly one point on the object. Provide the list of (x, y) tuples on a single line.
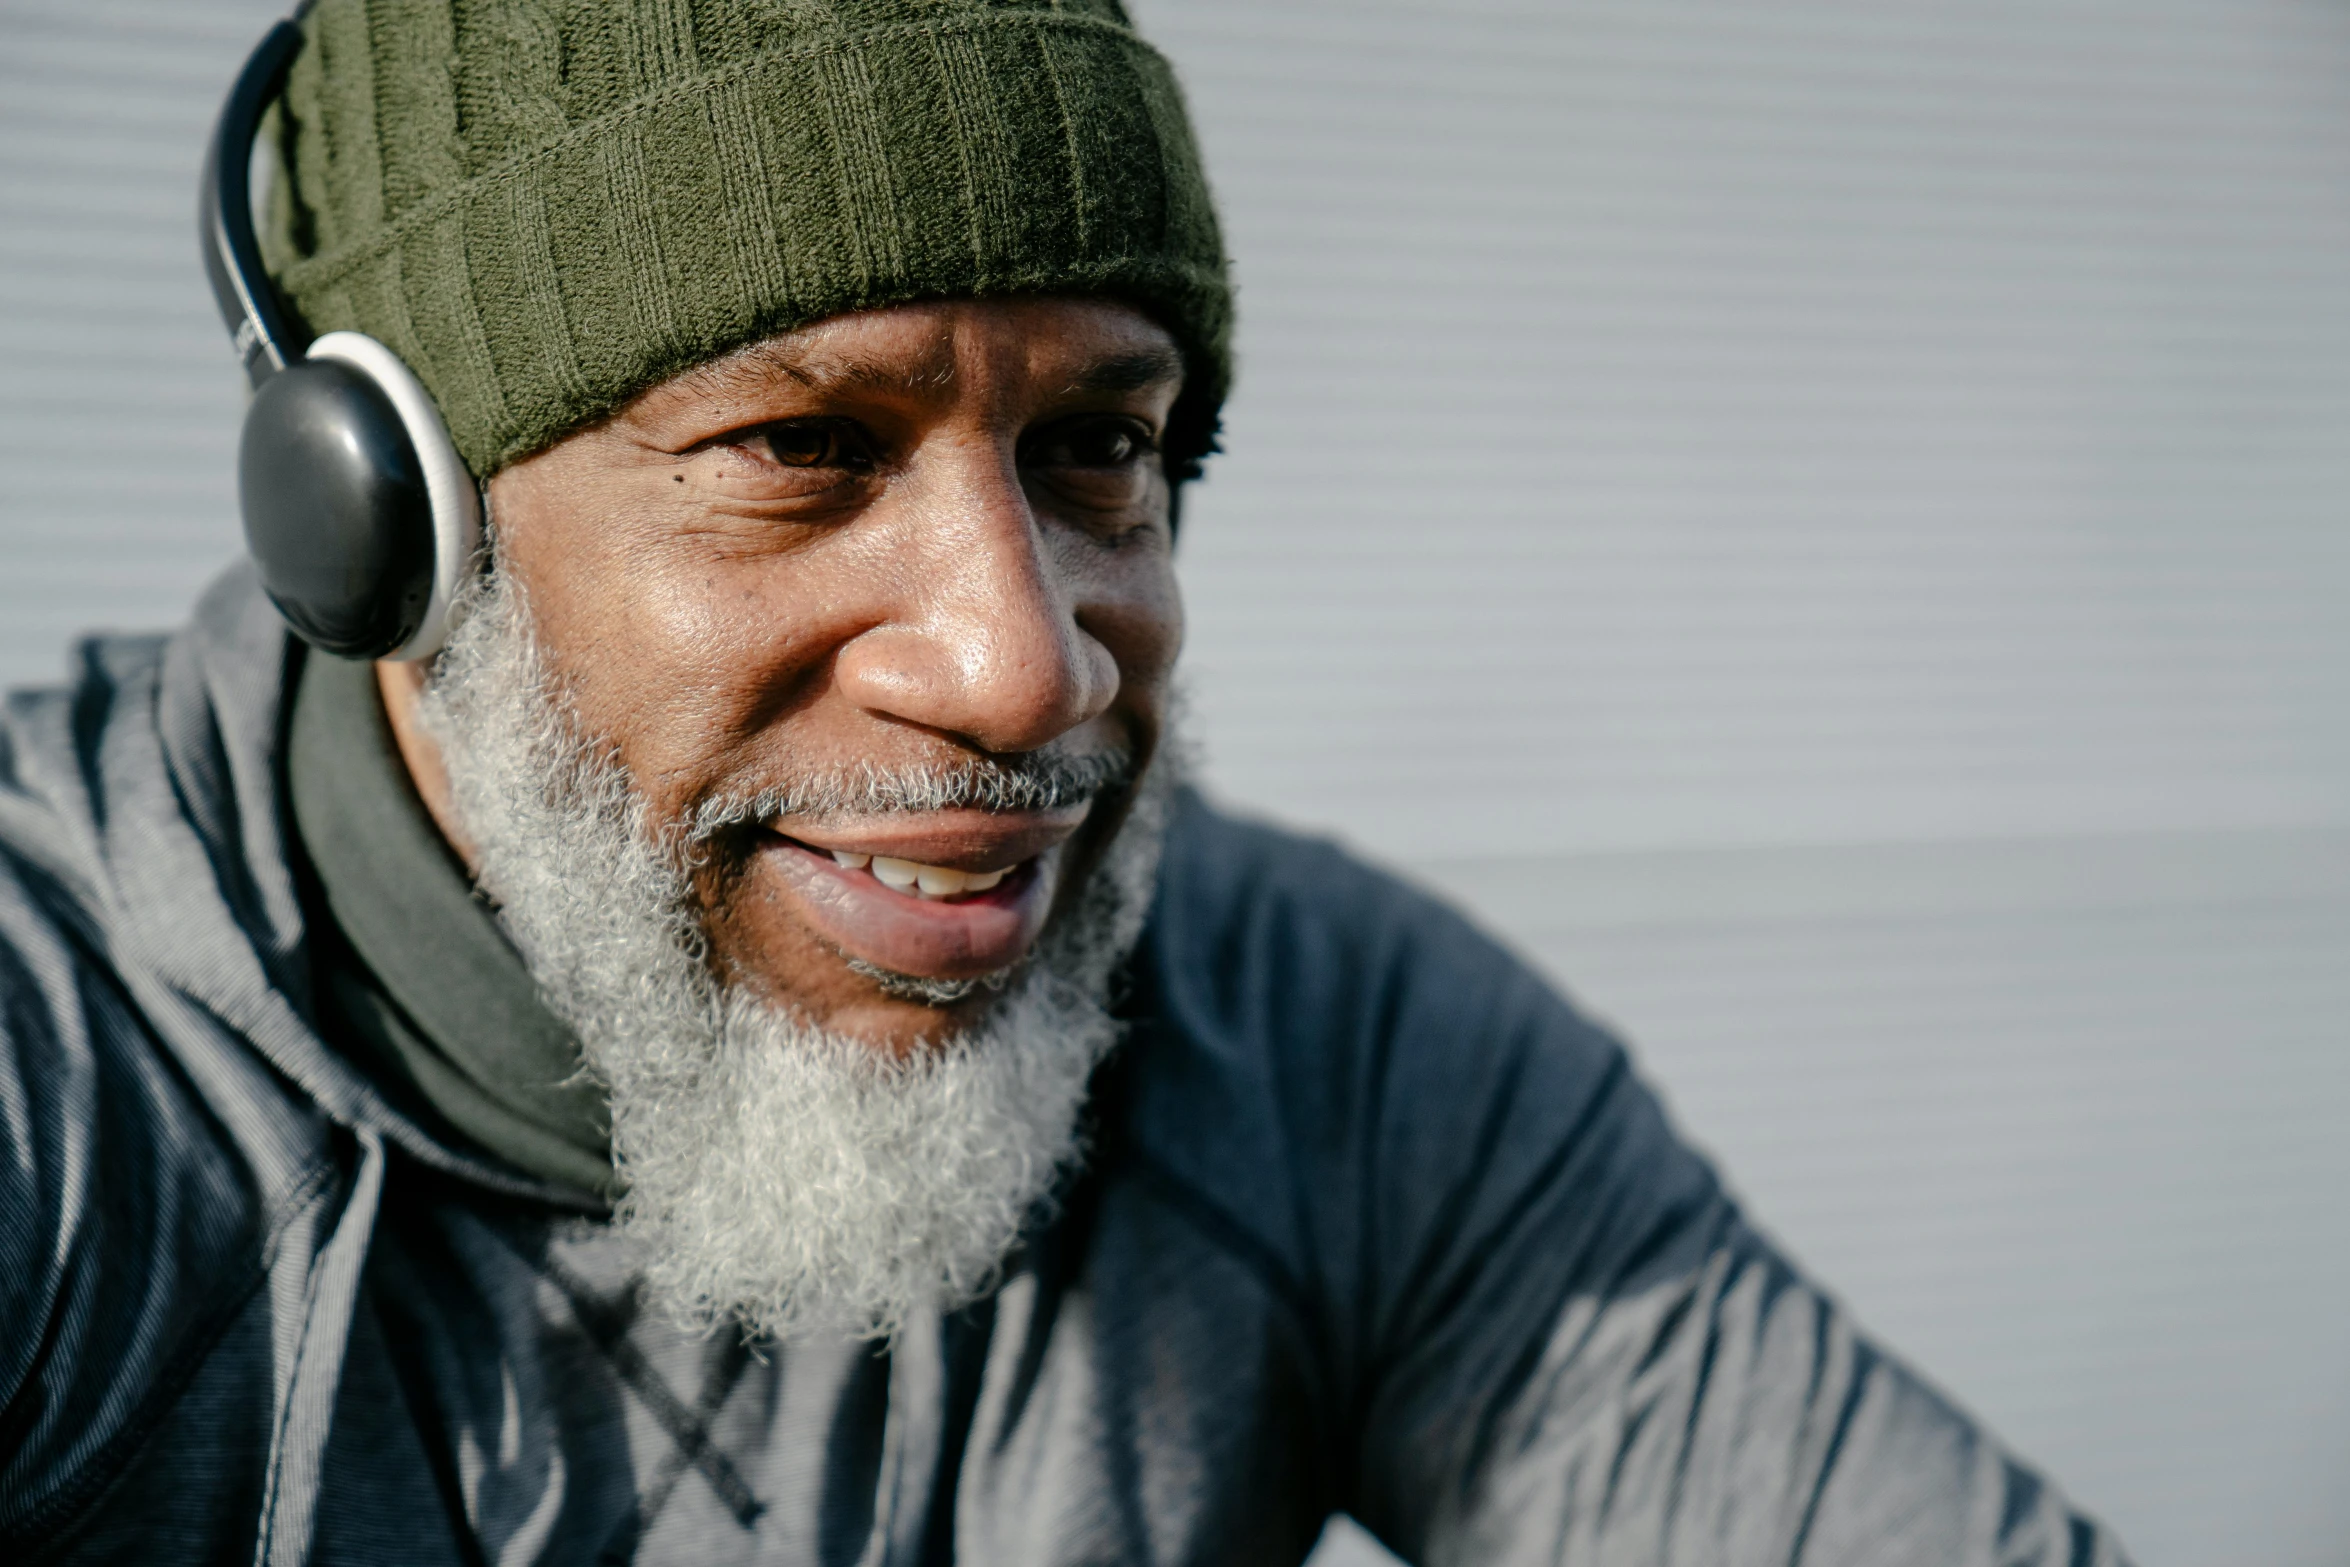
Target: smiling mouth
[(930, 883), (970, 906)]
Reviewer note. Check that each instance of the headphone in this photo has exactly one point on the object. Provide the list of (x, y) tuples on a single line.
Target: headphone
[(360, 513)]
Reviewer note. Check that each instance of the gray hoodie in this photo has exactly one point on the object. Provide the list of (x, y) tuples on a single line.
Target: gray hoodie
[(1373, 1221)]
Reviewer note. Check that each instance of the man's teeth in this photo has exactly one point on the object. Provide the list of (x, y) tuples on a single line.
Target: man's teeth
[(927, 881)]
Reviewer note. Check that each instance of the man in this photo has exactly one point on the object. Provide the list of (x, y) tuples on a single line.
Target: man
[(749, 1052)]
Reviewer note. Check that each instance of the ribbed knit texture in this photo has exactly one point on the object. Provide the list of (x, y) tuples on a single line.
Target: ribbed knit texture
[(545, 206)]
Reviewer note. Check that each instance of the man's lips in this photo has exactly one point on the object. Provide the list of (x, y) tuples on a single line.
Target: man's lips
[(957, 932), (964, 840)]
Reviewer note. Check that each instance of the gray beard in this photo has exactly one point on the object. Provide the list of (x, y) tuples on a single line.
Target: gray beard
[(774, 1172)]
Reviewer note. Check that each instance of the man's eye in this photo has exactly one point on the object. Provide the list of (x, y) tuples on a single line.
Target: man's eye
[(810, 444), (1094, 443)]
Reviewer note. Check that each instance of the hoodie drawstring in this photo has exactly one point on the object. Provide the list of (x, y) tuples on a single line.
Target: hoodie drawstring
[(297, 1456)]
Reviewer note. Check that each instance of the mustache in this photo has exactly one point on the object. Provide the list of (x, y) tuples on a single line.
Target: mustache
[(1034, 781)]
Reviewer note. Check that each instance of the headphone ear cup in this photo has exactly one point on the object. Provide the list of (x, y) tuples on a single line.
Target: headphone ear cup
[(336, 510), (363, 517), (453, 498)]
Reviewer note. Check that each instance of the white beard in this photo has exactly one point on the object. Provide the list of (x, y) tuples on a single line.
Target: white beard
[(777, 1173)]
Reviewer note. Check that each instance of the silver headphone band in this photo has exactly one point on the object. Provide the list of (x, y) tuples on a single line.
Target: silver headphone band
[(266, 335)]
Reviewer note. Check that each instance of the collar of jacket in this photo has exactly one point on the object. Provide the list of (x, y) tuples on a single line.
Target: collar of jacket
[(189, 887)]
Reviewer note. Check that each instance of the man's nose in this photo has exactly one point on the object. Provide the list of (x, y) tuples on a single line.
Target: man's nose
[(986, 643)]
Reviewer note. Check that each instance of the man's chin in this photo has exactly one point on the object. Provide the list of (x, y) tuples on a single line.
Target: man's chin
[(795, 1179), (935, 995)]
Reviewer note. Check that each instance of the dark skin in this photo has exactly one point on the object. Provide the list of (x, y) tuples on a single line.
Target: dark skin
[(905, 536)]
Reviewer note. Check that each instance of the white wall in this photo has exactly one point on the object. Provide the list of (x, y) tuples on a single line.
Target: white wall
[(1822, 522), (118, 401)]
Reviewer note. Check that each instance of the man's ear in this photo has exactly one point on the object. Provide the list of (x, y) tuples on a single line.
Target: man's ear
[(401, 685)]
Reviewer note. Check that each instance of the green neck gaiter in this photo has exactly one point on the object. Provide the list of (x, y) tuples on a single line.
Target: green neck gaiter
[(413, 973)]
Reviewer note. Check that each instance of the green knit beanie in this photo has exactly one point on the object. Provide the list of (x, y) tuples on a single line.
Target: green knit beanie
[(546, 206)]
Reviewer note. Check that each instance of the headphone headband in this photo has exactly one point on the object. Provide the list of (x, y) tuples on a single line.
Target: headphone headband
[(266, 340)]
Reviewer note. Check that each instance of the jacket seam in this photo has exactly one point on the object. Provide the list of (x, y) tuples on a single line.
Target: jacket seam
[(1300, 1306), (1228, 1234)]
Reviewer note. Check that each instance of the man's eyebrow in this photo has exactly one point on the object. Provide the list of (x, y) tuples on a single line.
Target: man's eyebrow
[(751, 370), (1135, 372), (852, 373)]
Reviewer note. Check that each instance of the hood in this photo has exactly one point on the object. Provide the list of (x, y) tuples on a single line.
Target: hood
[(153, 785)]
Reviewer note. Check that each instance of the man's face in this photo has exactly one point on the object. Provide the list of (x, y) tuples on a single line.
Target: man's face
[(897, 540)]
